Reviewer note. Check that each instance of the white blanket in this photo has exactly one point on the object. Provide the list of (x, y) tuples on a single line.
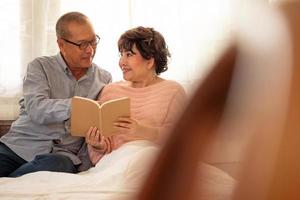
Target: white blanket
[(118, 175)]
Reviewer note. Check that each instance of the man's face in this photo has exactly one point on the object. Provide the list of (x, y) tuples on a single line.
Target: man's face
[(74, 56)]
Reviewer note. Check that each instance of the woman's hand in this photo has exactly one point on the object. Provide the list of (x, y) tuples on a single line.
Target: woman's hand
[(95, 138), (128, 125)]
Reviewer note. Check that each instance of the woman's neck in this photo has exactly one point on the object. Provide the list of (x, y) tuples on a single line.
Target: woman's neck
[(146, 82)]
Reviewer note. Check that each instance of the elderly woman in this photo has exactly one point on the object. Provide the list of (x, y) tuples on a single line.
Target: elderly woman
[(155, 101)]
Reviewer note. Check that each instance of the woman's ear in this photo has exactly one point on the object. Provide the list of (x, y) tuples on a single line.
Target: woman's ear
[(150, 63)]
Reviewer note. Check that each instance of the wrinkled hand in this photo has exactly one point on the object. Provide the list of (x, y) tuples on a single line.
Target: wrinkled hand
[(95, 138)]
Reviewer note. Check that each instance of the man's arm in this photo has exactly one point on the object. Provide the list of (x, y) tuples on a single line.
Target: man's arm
[(38, 105)]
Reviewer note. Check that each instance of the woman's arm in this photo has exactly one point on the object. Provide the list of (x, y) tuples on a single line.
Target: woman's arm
[(139, 130), (176, 106)]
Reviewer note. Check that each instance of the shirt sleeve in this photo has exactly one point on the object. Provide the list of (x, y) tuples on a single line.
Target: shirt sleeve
[(36, 91)]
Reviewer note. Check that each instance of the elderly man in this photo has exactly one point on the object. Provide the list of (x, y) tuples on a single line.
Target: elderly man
[(39, 140)]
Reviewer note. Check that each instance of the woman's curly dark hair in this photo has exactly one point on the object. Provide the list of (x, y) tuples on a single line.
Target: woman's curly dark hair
[(150, 44)]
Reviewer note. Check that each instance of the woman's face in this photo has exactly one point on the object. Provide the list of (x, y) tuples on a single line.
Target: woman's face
[(134, 66)]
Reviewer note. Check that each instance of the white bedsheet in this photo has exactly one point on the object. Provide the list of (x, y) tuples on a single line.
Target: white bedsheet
[(117, 176)]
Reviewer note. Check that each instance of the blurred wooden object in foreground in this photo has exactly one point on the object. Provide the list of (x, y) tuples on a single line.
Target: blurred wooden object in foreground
[(251, 96), (272, 171)]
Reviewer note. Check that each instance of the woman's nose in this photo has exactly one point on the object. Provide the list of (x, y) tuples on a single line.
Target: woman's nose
[(122, 60)]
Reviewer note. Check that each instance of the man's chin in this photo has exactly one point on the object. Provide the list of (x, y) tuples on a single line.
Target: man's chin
[(86, 65), (86, 62)]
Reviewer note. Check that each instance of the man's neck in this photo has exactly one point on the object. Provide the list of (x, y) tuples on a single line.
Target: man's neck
[(78, 72)]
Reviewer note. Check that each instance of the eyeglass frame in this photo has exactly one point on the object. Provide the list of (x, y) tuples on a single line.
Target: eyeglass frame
[(87, 43)]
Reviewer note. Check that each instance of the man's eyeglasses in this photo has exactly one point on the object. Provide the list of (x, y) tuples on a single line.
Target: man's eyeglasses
[(85, 44)]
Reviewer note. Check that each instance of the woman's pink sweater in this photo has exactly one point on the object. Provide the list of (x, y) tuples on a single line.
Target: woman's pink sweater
[(157, 105)]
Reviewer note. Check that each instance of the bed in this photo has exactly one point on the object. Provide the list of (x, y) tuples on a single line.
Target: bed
[(119, 175)]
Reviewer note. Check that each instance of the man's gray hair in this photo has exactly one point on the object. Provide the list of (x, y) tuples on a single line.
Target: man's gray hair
[(62, 23)]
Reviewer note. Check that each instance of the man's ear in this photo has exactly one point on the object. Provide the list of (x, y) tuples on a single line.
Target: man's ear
[(60, 44)]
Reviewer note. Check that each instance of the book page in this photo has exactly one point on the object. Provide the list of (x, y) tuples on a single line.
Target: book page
[(84, 114), (110, 112)]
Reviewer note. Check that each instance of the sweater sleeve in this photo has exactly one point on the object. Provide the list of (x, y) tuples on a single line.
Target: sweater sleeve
[(175, 108)]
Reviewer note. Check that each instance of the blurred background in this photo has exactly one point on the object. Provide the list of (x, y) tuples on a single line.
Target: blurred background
[(195, 31)]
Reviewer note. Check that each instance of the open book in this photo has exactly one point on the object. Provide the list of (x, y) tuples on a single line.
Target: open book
[(86, 113)]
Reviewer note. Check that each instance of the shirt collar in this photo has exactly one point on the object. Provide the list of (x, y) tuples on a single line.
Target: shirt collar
[(62, 63)]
